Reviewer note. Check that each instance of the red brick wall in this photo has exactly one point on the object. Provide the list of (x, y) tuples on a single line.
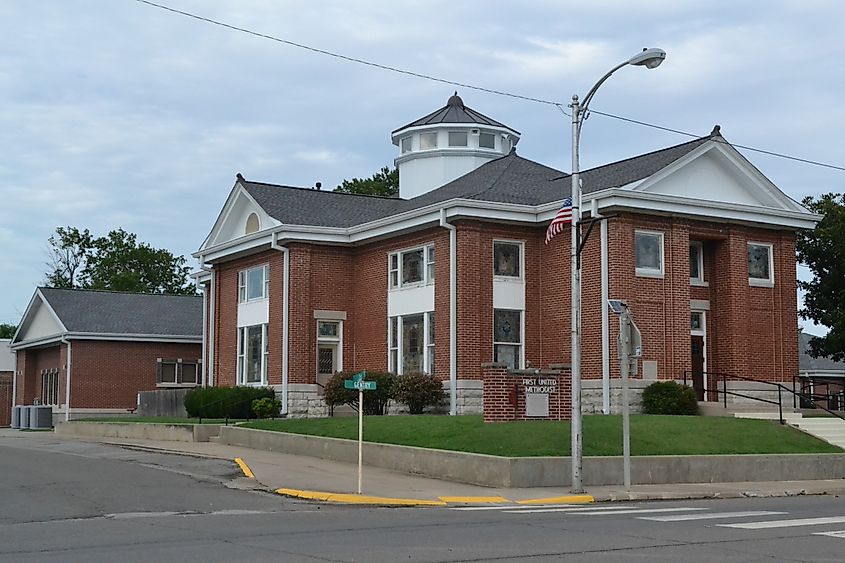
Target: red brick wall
[(109, 374), (355, 280), (30, 365), (5, 398)]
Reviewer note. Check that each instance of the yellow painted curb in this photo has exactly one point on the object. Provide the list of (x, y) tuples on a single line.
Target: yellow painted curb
[(245, 468), (475, 499), (357, 499), (569, 499)]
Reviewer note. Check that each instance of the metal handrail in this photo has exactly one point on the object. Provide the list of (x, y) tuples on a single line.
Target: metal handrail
[(780, 387)]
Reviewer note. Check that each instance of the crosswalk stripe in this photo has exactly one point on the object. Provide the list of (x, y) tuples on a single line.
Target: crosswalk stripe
[(709, 516), (786, 523), (837, 534), (595, 512), (561, 507)]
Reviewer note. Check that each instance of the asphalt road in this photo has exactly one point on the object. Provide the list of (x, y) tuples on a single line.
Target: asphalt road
[(77, 501)]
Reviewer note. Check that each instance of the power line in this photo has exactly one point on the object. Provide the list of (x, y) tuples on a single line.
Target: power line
[(558, 105)]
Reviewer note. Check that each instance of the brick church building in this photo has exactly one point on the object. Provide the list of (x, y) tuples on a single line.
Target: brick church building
[(300, 283)]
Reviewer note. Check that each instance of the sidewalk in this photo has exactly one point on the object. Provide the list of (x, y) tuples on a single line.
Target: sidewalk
[(318, 479)]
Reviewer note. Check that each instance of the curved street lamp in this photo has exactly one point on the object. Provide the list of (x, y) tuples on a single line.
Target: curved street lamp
[(649, 58)]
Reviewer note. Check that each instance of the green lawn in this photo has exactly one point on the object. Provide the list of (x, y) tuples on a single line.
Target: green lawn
[(650, 434), (159, 420)]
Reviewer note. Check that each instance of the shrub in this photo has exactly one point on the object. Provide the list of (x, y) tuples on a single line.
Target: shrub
[(224, 402), (266, 407), (418, 390), (375, 402), (667, 397)]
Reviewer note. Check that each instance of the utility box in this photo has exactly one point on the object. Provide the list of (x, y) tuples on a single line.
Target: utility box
[(24, 416), (16, 416), (40, 417)]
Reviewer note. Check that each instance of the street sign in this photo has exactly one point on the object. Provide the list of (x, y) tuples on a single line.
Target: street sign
[(359, 385), (359, 376)]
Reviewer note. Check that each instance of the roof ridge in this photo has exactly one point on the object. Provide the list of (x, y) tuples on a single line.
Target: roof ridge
[(88, 290), (323, 191)]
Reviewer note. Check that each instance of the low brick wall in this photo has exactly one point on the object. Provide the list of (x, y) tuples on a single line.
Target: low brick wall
[(506, 393)]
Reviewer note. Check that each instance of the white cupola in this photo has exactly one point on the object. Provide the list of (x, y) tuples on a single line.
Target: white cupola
[(445, 145)]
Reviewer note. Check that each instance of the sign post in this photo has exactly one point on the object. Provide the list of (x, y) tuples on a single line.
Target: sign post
[(629, 348), (357, 382)]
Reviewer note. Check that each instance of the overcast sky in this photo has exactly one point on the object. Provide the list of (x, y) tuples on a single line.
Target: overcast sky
[(116, 114)]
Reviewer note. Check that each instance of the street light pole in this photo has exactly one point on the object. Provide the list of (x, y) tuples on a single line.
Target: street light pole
[(649, 58)]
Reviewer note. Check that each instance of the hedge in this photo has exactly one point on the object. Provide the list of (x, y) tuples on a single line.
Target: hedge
[(224, 402)]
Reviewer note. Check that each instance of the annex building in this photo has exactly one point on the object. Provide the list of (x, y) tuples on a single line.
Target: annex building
[(300, 283)]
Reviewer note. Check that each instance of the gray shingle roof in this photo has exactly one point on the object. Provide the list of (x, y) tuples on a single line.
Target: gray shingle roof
[(455, 112), (509, 179), (808, 363), (126, 313)]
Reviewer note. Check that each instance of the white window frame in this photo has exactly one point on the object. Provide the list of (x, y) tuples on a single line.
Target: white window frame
[(465, 138), (432, 136), (243, 277), (521, 245), (240, 356), (406, 145), (396, 272), (703, 333), (762, 282), (335, 340), (700, 279), (395, 364), (520, 344), (651, 272), (178, 367)]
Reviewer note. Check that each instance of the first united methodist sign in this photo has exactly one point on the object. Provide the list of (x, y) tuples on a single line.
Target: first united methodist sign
[(526, 394)]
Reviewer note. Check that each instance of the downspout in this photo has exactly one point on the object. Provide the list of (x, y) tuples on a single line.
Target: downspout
[(211, 327), (204, 337), (67, 377), (453, 312), (274, 244), (605, 321)]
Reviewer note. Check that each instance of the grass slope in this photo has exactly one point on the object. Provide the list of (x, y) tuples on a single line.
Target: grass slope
[(650, 435)]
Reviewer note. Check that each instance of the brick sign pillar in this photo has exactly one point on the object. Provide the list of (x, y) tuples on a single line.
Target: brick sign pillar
[(526, 394)]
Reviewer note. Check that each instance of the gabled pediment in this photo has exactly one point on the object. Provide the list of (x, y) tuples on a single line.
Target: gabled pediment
[(241, 216), (718, 173), (39, 321)]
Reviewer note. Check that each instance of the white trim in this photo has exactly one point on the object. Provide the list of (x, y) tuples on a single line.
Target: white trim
[(453, 312), (651, 272), (761, 282), (425, 263), (329, 315), (699, 304), (176, 338), (212, 312), (68, 370), (25, 318), (237, 190), (605, 320)]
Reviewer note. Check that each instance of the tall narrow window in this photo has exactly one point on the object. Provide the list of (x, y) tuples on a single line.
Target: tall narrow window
[(329, 349), (253, 353), (429, 264), (393, 346), (696, 263), (413, 342), (429, 344), (507, 337), (412, 266)]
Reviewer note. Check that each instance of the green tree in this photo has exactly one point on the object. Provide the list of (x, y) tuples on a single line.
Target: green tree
[(116, 262), (68, 251), (823, 251), (384, 183), (7, 330)]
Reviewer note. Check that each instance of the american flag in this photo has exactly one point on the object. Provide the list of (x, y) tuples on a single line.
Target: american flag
[(562, 218)]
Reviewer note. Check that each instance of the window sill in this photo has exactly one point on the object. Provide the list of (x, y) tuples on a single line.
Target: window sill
[(753, 282), (408, 286), (254, 300), (649, 274), (509, 279), (175, 385), (698, 283)]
